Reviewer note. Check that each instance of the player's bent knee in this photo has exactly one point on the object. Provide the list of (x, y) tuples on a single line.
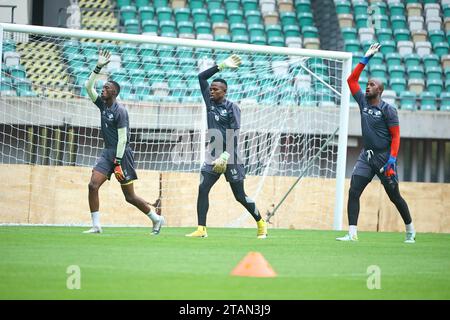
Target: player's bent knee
[(92, 186), (240, 199)]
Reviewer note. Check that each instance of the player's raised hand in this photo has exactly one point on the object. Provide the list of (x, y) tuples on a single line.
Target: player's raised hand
[(232, 62), (118, 170), (103, 58), (374, 48), (220, 164)]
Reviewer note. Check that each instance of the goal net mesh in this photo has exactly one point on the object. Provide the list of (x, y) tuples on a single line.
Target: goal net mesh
[(289, 108)]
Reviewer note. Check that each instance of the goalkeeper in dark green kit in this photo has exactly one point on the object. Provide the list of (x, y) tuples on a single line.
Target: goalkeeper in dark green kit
[(117, 157), (222, 154)]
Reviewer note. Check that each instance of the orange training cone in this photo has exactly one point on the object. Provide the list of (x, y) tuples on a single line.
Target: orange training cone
[(254, 265)]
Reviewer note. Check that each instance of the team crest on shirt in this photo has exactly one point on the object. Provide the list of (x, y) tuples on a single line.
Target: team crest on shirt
[(110, 116), (376, 113), (223, 112)]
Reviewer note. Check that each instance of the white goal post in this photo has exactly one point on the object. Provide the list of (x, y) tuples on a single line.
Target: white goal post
[(293, 100)]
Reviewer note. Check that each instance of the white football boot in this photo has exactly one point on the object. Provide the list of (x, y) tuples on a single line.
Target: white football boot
[(94, 230), (348, 237)]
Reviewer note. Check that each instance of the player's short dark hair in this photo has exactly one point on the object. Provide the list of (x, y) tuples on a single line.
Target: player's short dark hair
[(115, 84), (221, 81)]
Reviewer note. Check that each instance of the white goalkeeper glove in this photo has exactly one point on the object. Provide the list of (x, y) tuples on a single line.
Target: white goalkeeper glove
[(220, 164), (233, 62), (372, 50), (103, 59)]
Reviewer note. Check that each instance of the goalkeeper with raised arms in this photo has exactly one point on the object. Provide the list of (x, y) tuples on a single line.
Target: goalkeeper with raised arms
[(381, 141), (222, 154), (117, 156)]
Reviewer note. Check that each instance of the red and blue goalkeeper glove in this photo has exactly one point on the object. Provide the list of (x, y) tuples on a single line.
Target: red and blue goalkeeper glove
[(390, 168), (118, 170)]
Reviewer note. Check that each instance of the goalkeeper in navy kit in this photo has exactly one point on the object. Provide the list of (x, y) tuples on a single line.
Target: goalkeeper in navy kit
[(381, 140), (222, 154), (117, 157)]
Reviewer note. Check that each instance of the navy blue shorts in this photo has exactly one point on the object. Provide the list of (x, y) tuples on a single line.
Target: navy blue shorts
[(369, 164), (234, 172), (105, 164)]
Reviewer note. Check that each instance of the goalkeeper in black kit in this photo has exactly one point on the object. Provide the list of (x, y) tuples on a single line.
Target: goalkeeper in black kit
[(222, 154), (117, 156)]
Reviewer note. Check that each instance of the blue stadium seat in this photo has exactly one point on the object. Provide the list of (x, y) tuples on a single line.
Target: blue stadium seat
[(163, 13), (445, 101), (150, 26), (402, 35), (259, 40), (249, 5), (128, 13), (398, 85), (235, 16), (396, 71), (195, 4), (253, 17), (132, 26), (415, 72), (408, 100), (182, 14), (435, 85), (428, 101), (137, 76), (232, 5), (393, 59), (217, 15), (146, 13), (131, 62)]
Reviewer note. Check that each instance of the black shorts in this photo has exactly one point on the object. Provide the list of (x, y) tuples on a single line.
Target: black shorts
[(370, 162), (234, 172), (105, 164)]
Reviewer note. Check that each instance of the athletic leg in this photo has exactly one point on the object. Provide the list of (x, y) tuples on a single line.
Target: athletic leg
[(97, 180), (207, 180), (132, 198), (357, 186), (240, 196), (392, 189)]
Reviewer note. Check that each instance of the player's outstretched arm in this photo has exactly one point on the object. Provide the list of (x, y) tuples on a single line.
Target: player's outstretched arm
[(233, 61), (103, 60), (354, 77)]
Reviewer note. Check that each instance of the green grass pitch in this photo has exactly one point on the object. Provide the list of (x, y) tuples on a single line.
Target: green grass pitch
[(128, 263)]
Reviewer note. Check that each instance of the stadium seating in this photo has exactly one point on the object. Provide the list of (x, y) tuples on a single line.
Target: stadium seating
[(414, 58)]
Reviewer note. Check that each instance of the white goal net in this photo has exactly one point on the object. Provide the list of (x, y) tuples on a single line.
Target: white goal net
[(291, 102)]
